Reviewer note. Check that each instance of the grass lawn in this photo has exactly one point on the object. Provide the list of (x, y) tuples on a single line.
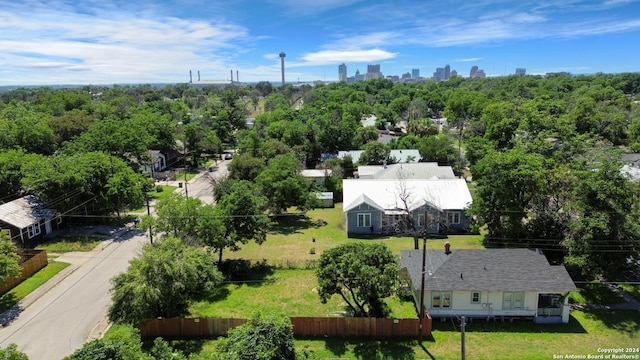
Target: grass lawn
[(293, 238), (27, 286), (63, 245), (291, 292), (632, 289), (165, 191)]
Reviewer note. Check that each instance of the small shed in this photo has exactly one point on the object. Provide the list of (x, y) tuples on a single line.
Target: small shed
[(326, 198)]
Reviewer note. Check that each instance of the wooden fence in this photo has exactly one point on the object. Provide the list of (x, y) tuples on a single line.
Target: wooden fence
[(32, 262), (302, 326)]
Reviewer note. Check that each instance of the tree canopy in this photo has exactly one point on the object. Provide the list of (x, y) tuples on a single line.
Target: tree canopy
[(161, 282), (361, 274)]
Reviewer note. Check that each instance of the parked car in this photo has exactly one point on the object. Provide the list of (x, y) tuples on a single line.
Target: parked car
[(227, 156)]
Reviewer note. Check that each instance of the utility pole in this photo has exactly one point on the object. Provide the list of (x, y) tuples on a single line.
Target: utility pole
[(423, 273), (186, 192), (462, 349), (149, 213)]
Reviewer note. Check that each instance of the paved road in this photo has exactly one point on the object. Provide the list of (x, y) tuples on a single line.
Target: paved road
[(201, 186), (62, 315)]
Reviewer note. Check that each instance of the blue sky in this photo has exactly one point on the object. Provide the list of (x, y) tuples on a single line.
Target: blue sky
[(151, 41)]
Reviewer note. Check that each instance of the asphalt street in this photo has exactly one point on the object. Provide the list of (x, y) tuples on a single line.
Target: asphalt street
[(62, 317)]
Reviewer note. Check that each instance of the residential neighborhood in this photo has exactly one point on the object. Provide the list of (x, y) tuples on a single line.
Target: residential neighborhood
[(185, 226)]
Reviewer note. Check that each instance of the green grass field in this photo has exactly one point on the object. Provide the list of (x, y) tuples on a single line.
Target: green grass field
[(28, 285), (63, 245)]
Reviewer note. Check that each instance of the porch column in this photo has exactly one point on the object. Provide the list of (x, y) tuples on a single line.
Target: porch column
[(565, 310)]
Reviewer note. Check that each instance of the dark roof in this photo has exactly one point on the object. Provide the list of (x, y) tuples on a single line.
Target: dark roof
[(486, 270)]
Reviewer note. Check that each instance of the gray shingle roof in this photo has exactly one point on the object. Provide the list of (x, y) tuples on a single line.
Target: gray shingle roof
[(486, 270)]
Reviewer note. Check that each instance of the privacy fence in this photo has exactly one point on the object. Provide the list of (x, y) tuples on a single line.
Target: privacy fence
[(302, 326), (31, 262)]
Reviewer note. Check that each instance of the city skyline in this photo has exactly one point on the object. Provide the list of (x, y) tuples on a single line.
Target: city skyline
[(114, 41)]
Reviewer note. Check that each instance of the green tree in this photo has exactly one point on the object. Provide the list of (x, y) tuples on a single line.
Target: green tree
[(11, 352), (9, 259), (375, 153), (123, 344), (161, 282), (440, 149), (283, 186), (246, 167), (242, 209), (263, 337), (362, 274)]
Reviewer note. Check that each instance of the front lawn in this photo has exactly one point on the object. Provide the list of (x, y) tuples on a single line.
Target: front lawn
[(28, 285), (68, 244), (290, 292)]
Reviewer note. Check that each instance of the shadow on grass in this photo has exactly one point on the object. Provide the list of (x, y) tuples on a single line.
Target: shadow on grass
[(241, 272), (517, 326), (624, 321), (294, 223), (597, 293), (364, 348)]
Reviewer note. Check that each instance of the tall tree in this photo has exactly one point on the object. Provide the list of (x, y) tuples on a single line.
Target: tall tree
[(362, 274), (161, 282), (283, 185)]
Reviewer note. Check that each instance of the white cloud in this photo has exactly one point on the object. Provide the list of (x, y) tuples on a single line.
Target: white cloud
[(337, 56), (468, 59)]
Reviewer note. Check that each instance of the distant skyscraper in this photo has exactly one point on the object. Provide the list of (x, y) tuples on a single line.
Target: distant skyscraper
[(342, 72), (415, 73), (521, 71), (473, 71), (373, 72), (454, 73), (447, 72), (439, 74), (480, 74)]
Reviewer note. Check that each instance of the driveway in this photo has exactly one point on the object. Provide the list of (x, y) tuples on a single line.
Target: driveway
[(67, 311)]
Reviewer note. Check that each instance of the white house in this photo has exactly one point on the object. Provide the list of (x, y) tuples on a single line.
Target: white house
[(489, 283), (373, 206)]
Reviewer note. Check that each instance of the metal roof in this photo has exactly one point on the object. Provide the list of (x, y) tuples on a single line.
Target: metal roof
[(445, 194), (420, 170), (486, 270), (24, 212), (401, 155)]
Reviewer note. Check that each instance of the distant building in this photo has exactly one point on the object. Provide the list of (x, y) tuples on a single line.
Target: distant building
[(415, 73), (447, 72), (358, 76), (474, 70), (406, 76), (480, 74), (439, 74), (454, 73), (521, 71), (342, 72), (373, 72)]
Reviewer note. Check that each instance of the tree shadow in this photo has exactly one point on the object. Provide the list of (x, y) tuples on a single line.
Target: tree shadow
[(294, 223), (241, 272), (623, 321), (186, 347), (365, 348), (496, 324), (9, 302)]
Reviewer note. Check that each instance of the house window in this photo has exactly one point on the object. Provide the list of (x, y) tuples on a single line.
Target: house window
[(420, 220), (475, 297), (453, 217), (441, 300), (364, 220), (33, 230), (513, 300)]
